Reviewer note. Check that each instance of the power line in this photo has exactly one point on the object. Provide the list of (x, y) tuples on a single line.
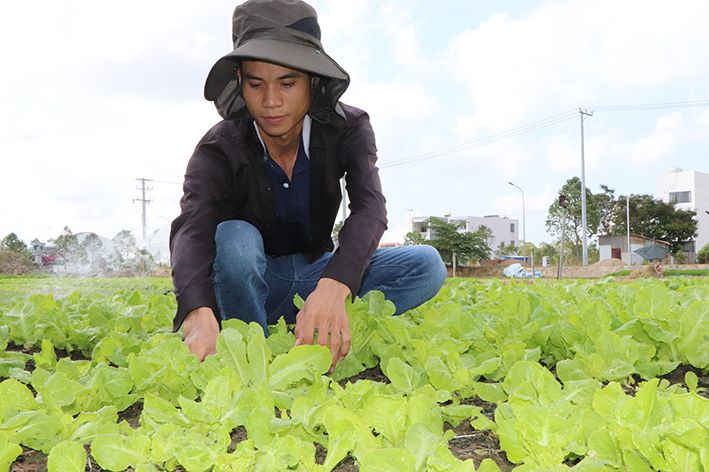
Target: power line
[(653, 106), (543, 123), (552, 120)]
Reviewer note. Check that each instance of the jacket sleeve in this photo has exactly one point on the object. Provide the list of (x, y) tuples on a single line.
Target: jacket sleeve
[(192, 246), (367, 221)]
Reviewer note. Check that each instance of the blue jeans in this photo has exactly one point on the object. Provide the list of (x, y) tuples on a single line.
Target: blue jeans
[(252, 286)]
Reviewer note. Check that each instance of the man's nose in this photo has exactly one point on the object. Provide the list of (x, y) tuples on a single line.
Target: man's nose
[(272, 97)]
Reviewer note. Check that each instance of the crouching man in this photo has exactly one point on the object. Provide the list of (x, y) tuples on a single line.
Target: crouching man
[(262, 192)]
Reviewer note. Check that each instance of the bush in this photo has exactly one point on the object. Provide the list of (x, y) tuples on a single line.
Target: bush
[(16, 263), (703, 255), (679, 257)]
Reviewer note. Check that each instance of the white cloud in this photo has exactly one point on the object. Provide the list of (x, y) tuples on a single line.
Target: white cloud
[(396, 109), (567, 54), (662, 143), (403, 33), (96, 95), (345, 31)]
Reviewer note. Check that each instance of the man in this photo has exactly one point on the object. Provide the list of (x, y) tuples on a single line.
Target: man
[(262, 193)]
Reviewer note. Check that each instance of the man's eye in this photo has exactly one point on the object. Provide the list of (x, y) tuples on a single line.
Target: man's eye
[(288, 84), (254, 85)]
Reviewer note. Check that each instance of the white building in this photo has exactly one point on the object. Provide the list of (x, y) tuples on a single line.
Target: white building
[(616, 247), (504, 229), (690, 191)]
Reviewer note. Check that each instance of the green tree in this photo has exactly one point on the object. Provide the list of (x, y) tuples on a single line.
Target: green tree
[(605, 203), (15, 257), (67, 245), (12, 242), (654, 218), (414, 238), (92, 251), (506, 250), (703, 255), (468, 246), (574, 220), (125, 246), (552, 250)]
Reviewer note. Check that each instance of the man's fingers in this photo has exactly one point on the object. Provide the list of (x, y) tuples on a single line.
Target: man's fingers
[(201, 346), (304, 330), (335, 348), (346, 340), (201, 330), (324, 312)]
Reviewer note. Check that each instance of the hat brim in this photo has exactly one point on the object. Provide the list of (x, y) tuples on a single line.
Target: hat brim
[(293, 55)]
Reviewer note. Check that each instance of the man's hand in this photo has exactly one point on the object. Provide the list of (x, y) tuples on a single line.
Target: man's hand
[(201, 329), (324, 311)]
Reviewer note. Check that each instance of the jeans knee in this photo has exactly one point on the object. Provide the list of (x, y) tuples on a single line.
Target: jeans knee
[(237, 232), (239, 246), (433, 264)]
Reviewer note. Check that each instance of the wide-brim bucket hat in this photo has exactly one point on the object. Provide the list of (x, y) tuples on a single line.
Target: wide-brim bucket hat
[(283, 32)]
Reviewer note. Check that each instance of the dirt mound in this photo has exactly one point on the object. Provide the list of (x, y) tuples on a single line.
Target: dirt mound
[(509, 262), (609, 263), (644, 272), (15, 263)]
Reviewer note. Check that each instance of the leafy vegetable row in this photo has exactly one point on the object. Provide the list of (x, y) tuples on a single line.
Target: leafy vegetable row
[(494, 340)]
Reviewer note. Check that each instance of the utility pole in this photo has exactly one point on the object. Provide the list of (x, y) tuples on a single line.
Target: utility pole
[(583, 191), (627, 215), (145, 202), (524, 227), (563, 203)]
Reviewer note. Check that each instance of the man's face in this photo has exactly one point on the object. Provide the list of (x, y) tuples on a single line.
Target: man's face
[(277, 97)]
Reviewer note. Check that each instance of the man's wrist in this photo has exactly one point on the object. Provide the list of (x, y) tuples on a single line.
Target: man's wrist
[(335, 286), (202, 316)]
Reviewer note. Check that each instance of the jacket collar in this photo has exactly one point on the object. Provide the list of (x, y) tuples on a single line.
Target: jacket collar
[(307, 126)]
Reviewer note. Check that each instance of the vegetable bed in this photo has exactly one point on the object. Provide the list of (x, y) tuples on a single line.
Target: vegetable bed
[(585, 376)]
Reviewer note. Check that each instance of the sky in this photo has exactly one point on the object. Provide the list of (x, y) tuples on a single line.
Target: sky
[(464, 97)]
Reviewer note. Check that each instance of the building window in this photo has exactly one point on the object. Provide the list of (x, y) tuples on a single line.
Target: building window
[(512, 227), (512, 243), (680, 197)]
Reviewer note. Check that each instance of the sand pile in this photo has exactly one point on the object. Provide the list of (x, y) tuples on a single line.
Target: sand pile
[(644, 272), (509, 262), (610, 263)]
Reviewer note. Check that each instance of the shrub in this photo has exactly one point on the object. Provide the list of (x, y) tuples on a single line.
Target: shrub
[(15, 263), (703, 255), (679, 257)]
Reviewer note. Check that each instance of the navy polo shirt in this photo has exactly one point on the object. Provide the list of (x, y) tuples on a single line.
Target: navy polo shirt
[(292, 231)]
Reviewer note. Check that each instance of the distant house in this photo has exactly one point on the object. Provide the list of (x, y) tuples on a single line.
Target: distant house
[(504, 230), (40, 250), (616, 247), (94, 252), (689, 191)]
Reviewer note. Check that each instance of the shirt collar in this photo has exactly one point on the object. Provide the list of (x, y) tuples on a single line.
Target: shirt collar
[(307, 125)]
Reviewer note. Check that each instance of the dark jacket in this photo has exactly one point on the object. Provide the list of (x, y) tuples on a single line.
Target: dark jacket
[(227, 180)]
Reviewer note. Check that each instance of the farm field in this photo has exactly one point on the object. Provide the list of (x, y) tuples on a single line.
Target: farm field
[(490, 375), (18, 288)]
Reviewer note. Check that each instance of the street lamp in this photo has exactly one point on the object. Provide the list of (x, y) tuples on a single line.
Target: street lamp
[(524, 229)]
